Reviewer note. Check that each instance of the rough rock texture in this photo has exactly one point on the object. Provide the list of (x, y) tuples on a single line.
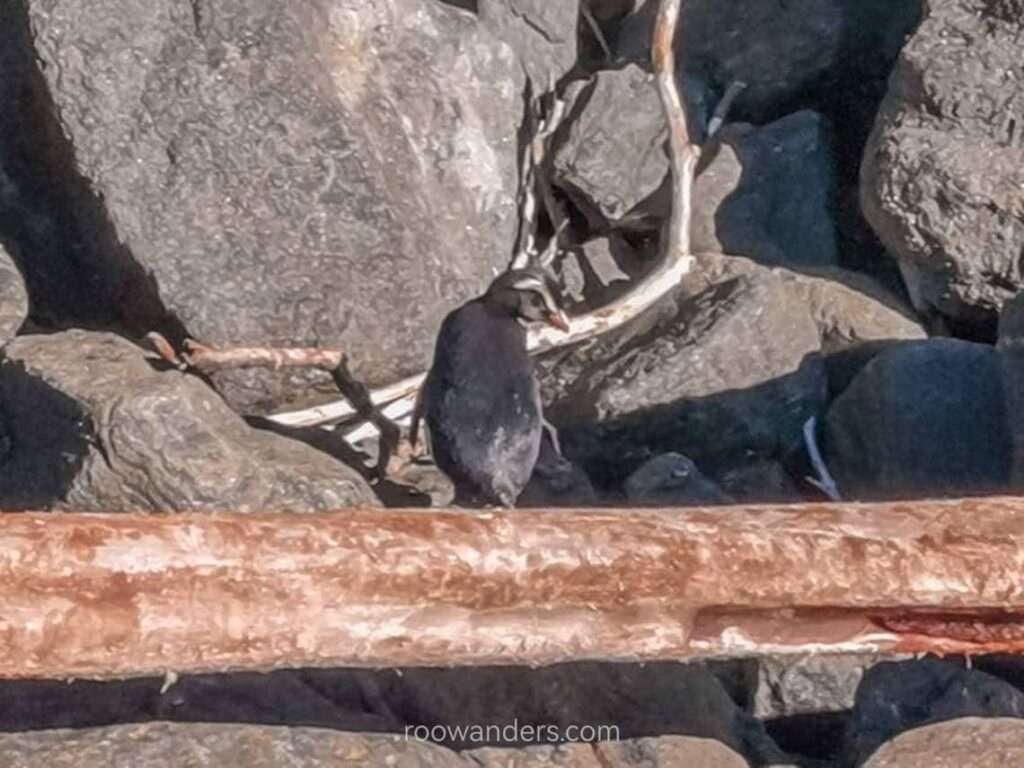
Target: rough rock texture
[(847, 307), (676, 381), (672, 480), (921, 418), (942, 175), (788, 53), (167, 745), (974, 742), (542, 33), (758, 482), (94, 427), (764, 192), (1011, 323), (13, 299), (613, 156), (769, 193), (315, 173), (896, 696), (556, 482), (808, 685), (649, 700)]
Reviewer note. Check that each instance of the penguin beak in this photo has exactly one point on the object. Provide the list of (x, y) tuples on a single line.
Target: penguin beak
[(559, 321)]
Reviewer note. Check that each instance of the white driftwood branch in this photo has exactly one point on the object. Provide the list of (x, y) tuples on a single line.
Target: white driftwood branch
[(673, 266), (125, 595), (722, 110), (824, 481)]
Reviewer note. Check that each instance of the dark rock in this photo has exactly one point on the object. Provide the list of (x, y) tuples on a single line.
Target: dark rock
[(613, 155), (974, 742), (339, 174), (789, 54), (942, 176), (808, 685), (94, 427), (849, 308), (894, 697), (922, 418), (672, 480), (731, 372), (13, 299), (638, 700), (1011, 323), (556, 482), (768, 193), (759, 481), (764, 192)]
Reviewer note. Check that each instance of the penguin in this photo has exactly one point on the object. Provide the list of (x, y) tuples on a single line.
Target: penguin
[(481, 400)]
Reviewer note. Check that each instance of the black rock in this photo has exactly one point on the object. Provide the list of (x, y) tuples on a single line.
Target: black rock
[(672, 480), (894, 697), (13, 299), (274, 173), (922, 418), (732, 372), (942, 174)]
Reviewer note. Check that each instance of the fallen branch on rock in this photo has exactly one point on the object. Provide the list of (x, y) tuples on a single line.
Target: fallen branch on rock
[(205, 359), (113, 596)]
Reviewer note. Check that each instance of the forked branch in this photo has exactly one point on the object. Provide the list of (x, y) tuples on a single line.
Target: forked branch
[(676, 261)]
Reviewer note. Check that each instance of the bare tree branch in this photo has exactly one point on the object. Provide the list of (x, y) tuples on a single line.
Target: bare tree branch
[(398, 399), (204, 359), (824, 481), (722, 110)]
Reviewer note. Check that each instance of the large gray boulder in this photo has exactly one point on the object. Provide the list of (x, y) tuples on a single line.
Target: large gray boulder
[(942, 174), (894, 697), (13, 298), (92, 426), (333, 173)]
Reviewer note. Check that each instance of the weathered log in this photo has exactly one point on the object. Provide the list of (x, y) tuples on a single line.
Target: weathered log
[(107, 596)]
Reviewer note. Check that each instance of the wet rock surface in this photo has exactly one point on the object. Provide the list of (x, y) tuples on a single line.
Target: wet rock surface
[(92, 426)]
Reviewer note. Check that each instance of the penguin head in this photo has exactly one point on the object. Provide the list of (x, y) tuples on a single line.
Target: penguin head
[(529, 294)]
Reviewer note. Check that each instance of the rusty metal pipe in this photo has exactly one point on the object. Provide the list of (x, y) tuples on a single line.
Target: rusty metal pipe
[(108, 596)]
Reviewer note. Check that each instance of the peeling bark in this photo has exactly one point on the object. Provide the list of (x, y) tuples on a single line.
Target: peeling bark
[(107, 596)]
